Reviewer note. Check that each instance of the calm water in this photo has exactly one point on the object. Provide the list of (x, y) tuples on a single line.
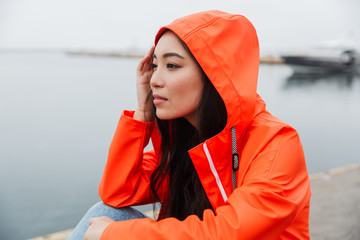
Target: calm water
[(58, 114)]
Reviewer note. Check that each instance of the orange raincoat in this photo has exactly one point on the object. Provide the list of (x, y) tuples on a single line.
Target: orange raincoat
[(271, 200)]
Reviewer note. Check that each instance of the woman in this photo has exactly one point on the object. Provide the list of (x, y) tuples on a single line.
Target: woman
[(222, 167)]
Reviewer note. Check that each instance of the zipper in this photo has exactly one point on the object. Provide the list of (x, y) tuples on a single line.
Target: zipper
[(235, 157)]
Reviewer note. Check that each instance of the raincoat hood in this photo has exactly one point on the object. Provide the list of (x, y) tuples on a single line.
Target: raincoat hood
[(226, 47)]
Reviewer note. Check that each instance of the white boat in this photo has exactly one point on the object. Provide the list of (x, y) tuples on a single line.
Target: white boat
[(324, 60)]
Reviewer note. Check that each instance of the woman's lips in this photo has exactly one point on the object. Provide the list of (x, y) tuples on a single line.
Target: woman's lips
[(158, 99)]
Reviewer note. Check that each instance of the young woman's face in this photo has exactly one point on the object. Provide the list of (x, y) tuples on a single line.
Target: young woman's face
[(176, 82)]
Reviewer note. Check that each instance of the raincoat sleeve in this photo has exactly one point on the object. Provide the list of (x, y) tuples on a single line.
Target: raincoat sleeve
[(272, 193), (125, 180)]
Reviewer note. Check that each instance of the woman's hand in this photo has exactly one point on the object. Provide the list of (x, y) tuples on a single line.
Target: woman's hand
[(143, 76), (96, 227)]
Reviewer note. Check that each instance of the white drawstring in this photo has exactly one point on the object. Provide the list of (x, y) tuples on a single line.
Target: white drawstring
[(214, 172)]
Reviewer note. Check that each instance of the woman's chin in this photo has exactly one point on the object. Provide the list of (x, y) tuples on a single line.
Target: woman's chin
[(163, 116), (159, 116)]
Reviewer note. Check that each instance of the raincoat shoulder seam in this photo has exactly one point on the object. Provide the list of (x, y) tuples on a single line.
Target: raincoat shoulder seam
[(275, 158), (278, 121)]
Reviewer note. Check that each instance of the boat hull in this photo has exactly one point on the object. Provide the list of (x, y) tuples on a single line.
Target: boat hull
[(345, 61)]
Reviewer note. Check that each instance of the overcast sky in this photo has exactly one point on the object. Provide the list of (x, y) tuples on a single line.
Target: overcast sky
[(118, 24)]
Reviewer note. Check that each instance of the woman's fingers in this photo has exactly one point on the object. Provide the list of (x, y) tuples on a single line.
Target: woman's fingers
[(144, 74), (142, 64), (151, 51), (145, 63)]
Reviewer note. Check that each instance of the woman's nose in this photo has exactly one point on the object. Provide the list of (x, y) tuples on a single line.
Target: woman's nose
[(156, 80)]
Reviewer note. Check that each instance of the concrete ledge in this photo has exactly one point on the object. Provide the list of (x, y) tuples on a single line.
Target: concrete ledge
[(335, 171), (334, 207), (63, 235)]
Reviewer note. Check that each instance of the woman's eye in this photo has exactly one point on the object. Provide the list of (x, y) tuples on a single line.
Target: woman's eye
[(153, 66), (171, 66)]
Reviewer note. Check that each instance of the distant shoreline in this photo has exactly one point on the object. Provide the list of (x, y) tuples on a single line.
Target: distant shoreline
[(266, 59)]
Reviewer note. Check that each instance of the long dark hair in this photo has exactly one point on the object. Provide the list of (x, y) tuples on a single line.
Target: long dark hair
[(186, 195)]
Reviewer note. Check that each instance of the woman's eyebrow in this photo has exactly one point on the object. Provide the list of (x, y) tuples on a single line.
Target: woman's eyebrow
[(170, 54)]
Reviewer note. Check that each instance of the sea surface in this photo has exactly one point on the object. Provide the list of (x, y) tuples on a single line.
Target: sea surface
[(58, 113)]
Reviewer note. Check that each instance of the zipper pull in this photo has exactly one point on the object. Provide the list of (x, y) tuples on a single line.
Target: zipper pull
[(235, 161)]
